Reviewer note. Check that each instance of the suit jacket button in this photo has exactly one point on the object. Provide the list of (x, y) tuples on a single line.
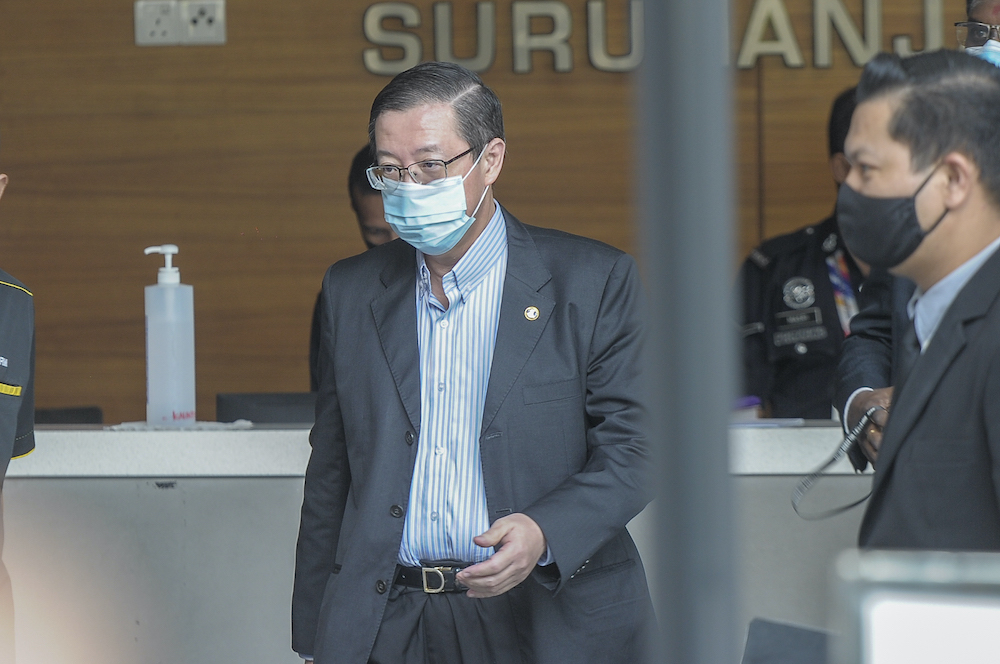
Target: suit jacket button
[(381, 586), (409, 437), (396, 511)]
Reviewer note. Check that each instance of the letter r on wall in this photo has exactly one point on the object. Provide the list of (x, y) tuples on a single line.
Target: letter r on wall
[(556, 41)]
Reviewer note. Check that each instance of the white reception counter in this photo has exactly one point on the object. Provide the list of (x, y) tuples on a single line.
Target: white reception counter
[(178, 547), (269, 452)]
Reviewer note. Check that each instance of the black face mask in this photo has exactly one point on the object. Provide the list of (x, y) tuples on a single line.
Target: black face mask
[(882, 232)]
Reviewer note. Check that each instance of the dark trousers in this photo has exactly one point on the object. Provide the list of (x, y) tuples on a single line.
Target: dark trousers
[(446, 628)]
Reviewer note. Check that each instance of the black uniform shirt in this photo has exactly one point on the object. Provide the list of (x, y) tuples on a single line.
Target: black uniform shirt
[(791, 328), (17, 370)]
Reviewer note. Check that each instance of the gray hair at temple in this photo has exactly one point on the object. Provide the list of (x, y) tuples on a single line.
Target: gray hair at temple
[(477, 108), (949, 101)]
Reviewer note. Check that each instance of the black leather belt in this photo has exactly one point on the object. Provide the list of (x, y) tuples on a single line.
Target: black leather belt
[(437, 578)]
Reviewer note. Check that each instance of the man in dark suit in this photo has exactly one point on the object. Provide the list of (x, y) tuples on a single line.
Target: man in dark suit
[(478, 447), (922, 199), (17, 410), (869, 359)]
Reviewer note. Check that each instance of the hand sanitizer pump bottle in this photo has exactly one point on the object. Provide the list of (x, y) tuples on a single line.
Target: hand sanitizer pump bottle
[(170, 392)]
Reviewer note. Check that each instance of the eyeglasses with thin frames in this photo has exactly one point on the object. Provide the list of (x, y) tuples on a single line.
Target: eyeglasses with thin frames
[(422, 172), (973, 33)]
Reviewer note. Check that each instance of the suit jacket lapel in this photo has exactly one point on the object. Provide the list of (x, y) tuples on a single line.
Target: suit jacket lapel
[(909, 403), (517, 334), (971, 303), (395, 313)]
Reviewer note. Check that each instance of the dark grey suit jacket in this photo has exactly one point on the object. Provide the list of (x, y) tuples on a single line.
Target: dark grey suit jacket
[(936, 480), (562, 441)]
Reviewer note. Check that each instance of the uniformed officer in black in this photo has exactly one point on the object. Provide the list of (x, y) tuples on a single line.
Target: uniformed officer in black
[(799, 293), (17, 410)]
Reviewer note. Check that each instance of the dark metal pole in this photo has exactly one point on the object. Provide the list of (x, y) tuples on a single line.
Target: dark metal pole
[(686, 232)]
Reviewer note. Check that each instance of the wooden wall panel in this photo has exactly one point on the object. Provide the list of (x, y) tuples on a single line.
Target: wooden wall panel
[(238, 154), (747, 124)]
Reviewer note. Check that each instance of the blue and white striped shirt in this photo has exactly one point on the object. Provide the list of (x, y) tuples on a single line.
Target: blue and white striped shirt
[(447, 505)]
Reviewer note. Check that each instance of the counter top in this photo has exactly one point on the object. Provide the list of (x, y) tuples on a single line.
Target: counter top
[(270, 452), (103, 453)]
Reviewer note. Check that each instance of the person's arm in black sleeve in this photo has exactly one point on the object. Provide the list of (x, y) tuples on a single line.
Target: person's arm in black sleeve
[(865, 368), (327, 483)]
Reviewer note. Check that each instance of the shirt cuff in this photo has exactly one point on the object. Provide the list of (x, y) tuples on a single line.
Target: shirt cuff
[(547, 558), (847, 406)]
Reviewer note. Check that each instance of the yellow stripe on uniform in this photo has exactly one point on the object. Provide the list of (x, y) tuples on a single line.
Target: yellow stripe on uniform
[(12, 390), (20, 288)]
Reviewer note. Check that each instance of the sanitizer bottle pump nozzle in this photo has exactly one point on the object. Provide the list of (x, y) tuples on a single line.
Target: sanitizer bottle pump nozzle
[(168, 274)]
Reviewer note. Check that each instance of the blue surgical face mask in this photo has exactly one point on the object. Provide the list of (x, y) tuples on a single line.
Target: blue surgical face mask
[(431, 217), (990, 51)]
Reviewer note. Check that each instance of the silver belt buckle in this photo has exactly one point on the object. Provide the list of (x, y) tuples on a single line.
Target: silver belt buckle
[(436, 571)]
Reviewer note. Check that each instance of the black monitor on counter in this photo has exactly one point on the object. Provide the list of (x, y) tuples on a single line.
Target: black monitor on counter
[(266, 407)]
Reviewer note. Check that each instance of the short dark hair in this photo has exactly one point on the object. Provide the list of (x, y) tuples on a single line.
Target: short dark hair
[(949, 101), (840, 120), (477, 108), (357, 179)]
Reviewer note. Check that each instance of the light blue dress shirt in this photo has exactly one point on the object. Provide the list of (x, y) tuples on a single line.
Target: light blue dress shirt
[(927, 309), (447, 505)]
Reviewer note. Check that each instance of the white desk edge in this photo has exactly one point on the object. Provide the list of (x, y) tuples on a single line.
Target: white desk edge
[(271, 452)]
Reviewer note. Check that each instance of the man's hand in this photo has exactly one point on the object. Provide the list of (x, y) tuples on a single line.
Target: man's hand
[(871, 437), (519, 544)]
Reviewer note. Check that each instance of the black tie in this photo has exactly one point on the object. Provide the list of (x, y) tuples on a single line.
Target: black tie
[(910, 351)]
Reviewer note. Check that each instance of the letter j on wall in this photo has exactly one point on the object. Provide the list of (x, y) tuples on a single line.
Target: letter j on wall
[(769, 31)]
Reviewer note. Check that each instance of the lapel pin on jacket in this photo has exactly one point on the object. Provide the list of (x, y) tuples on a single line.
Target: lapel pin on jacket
[(531, 313)]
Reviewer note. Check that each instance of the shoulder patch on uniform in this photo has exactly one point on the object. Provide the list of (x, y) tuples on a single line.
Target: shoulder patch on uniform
[(759, 259), (781, 245)]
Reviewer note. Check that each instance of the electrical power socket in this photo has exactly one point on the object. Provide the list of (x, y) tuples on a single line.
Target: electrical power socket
[(202, 21), (157, 23)]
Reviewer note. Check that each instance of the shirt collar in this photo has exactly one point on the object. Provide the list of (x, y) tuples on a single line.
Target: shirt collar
[(473, 267), (927, 309)]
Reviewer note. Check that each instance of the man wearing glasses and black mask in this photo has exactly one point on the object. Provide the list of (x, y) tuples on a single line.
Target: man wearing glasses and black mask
[(875, 356), (922, 200)]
